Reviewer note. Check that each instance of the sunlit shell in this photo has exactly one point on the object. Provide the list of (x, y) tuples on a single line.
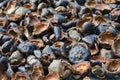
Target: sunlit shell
[(16, 62), (110, 1), (3, 75), (37, 73), (42, 5), (99, 19), (98, 58), (52, 76), (65, 69), (74, 34), (3, 21), (115, 11), (98, 72), (103, 7), (81, 67), (29, 6), (19, 0), (106, 53), (1, 11), (94, 49), (82, 21), (14, 17), (63, 35), (106, 39), (20, 76), (116, 46), (40, 27), (24, 30), (55, 66), (90, 4), (112, 67), (58, 44), (16, 55), (31, 60), (60, 9), (33, 18), (38, 42), (47, 59), (11, 6), (14, 33), (86, 78), (21, 11)]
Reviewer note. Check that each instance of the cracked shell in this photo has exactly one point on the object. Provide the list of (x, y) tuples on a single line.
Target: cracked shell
[(116, 46), (81, 68), (112, 68)]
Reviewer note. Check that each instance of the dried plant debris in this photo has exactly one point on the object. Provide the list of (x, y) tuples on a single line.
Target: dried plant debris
[(59, 39)]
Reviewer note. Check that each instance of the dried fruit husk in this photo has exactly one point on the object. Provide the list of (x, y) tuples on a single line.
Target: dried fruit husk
[(3, 75), (20, 76), (40, 27), (42, 5), (99, 19), (104, 8), (61, 67), (24, 30), (16, 62), (38, 42), (10, 8), (52, 76), (14, 33), (37, 73), (60, 9), (55, 66), (86, 78), (82, 21), (1, 11), (106, 38), (29, 6), (106, 53), (81, 68), (90, 4), (115, 13), (19, 0), (14, 17), (59, 48), (58, 19), (98, 72), (21, 11), (48, 58), (112, 68), (33, 17), (66, 69), (74, 34), (3, 21), (94, 49), (109, 1), (63, 36), (16, 55), (72, 17), (98, 59), (116, 46), (31, 60)]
